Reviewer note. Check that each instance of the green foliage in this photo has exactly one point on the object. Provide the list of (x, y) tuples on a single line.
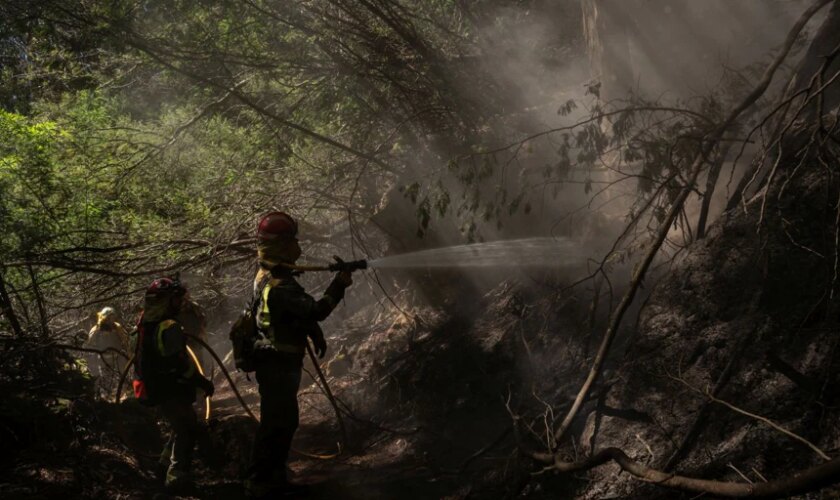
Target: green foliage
[(80, 177), (163, 129), (30, 183)]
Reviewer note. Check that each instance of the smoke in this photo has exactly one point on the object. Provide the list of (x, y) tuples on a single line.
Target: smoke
[(672, 52), (526, 62), (531, 252), (531, 59)]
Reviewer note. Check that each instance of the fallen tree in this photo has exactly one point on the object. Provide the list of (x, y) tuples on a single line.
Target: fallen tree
[(801, 482)]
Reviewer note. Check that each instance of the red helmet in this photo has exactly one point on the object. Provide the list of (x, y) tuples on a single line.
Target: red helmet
[(276, 225), (162, 286)]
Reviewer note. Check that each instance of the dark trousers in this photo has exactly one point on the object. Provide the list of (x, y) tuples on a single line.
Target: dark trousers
[(182, 420), (278, 383)]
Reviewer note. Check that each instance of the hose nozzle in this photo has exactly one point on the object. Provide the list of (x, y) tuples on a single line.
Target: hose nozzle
[(354, 265)]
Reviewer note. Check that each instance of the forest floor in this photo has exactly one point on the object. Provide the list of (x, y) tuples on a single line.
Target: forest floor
[(424, 411), (378, 463), (97, 449), (67, 443), (423, 403)]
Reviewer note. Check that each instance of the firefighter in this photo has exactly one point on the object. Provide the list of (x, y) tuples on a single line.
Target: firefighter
[(286, 317), (111, 338), (166, 377)]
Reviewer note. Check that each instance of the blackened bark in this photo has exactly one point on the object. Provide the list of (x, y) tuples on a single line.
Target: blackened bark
[(8, 310)]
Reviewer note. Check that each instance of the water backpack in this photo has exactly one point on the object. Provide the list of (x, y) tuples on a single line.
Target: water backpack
[(244, 335), (152, 373)]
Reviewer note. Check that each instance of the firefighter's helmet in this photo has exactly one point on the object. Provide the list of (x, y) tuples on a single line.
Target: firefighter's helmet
[(165, 286), (276, 225)]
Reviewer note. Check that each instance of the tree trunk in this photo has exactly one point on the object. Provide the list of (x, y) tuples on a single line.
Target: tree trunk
[(39, 300), (8, 310), (608, 45)]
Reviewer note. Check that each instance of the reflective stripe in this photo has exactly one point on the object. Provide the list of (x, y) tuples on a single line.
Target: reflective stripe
[(162, 327), (265, 315)]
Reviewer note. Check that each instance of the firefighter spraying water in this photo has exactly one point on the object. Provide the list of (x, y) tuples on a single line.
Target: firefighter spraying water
[(283, 319), (271, 339)]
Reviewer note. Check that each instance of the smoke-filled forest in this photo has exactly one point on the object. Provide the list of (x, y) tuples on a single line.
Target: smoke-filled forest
[(456, 249)]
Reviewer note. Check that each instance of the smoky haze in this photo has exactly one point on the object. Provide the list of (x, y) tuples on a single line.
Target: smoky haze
[(529, 63), (673, 52), (534, 61)]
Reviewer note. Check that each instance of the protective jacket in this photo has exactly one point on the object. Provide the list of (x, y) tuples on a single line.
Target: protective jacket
[(108, 337), (162, 362), (287, 315)]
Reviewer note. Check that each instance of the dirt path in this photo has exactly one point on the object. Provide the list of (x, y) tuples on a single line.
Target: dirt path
[(379, 465), (119, 456)]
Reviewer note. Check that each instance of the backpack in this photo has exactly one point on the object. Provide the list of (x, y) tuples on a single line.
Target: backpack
[(142, 379), (244, 335)]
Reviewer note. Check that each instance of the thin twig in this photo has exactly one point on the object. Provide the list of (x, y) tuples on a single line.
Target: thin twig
[(764, 420)]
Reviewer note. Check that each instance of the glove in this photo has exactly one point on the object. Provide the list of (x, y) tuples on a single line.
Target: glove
[(320, 345), (344, 278), (206, 385), (336, 289)]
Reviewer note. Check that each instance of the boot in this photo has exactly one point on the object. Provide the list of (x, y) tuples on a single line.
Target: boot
[(178, 481), (284, 486), (281, 488), (164, 460)]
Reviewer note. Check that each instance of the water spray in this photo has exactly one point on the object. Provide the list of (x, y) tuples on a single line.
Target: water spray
[(528, 252)]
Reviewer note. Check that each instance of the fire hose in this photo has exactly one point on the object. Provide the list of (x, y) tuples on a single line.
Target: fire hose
[(338, 266), (241, 400), (201, 371), (129, 364), (124, 374)]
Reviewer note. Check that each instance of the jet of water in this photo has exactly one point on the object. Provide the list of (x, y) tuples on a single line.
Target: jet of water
[(530, 252)]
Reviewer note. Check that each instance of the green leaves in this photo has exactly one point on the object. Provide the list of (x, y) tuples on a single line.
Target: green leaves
[(28, 178)]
